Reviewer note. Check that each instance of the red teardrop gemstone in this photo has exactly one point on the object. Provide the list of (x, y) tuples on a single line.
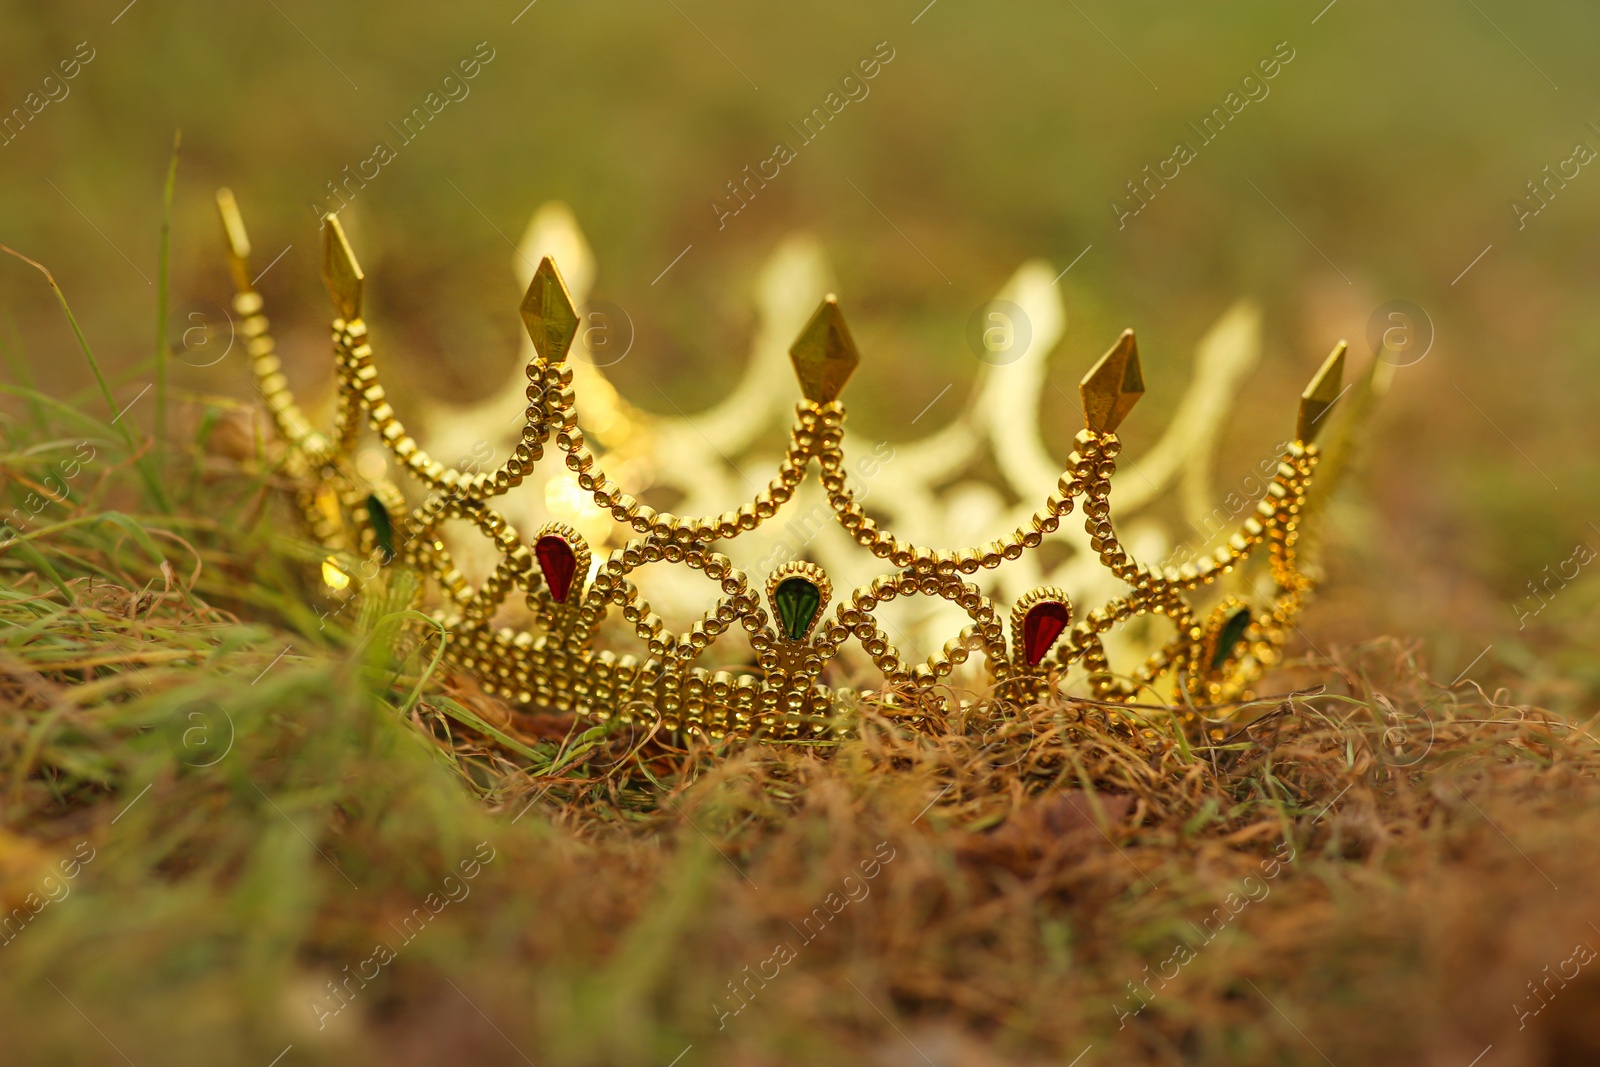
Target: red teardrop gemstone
[(559, 564), (1040, 627)]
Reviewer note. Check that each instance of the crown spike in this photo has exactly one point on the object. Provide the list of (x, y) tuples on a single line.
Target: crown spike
[(824, 355), (1321, 394), (238, 241), (1113, 385), (548, 313), (340, 271)]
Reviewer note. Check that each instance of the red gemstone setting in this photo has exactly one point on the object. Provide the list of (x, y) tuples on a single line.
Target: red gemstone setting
[(559, 564), (1040, 627)]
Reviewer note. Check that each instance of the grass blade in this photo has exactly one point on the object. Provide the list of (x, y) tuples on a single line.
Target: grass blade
[(163, 291), (146, 470)]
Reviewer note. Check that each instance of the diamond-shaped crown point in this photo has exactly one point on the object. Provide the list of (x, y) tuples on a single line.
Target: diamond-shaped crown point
[(238, 240), (340, 271), (1113, 385), (824, 355), (548, 313), (1320, 396)]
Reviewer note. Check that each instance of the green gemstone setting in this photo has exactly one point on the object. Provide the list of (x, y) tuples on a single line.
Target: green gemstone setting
[(1227, 640), (382, 526), (797, 600)]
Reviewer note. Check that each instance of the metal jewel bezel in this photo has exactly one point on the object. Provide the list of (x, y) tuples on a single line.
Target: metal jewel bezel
[(817, 577)]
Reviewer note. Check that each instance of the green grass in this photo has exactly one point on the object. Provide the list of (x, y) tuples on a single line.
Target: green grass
[(254, 801)]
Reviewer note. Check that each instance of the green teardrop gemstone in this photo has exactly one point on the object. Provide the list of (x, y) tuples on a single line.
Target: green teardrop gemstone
[(1232, 633), (382, 526), (797, 600)]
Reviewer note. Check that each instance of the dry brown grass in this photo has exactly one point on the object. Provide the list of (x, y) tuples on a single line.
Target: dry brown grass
[(1028, 875), (1370, 870)]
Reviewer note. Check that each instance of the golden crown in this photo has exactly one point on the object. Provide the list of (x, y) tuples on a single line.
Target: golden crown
[(555, 665)]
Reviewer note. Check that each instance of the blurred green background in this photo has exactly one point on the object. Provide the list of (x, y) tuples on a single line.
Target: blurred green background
[(1381, 166)]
